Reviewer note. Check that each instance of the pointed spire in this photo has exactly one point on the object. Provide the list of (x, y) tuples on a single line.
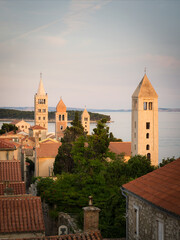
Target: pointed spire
[(41, 90), (61, 107), (145, 89)]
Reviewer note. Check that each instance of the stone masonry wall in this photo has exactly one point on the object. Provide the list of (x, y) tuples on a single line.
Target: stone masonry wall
[(148, 221)]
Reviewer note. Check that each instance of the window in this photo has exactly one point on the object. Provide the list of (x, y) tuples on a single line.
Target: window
[(44, 118), (59, 117), (85, 126), (39, 110), (136, 220), (134, 146), (44, 110), (149, 156), (147, 125), (160, 230), (63, 117), (147, 135), (22, 126), (61, 127), (41, 101), (147, 147), (145, 105), (134, 135), (85, 119), (39, 118), (150, 105)]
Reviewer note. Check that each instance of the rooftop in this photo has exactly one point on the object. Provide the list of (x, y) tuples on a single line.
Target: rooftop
[(21, 214), (49, 149), (18, 187), (10, 171), (120, 147), (6, 145), (37, 127), (160, 187)]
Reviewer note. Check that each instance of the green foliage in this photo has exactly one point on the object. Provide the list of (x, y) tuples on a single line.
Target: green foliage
[(92, 175), (139, 166), (113, 139), (6, 127), (166, 161)]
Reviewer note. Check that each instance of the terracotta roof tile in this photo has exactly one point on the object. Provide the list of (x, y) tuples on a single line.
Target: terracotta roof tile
[(160, 187), (18, 187), (10, 171), (78, 236), (4, 144), (120, 147), (37, 127), (48, 149), (21, 214)]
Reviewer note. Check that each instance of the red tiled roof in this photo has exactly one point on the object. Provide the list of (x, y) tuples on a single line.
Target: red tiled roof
[(6, 145), (120, 147), (37, 127), (21, 214), (15, 122), (10, 171), (160, 187), (77, 236), (48, 149), (18, 187)]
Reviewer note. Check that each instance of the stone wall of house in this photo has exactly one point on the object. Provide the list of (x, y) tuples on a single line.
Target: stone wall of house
[(149, 216)]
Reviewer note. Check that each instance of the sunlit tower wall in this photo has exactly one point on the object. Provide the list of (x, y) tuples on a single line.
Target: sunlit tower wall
[(144, 124)]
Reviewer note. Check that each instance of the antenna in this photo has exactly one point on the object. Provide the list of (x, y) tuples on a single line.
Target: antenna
[(145, 70)]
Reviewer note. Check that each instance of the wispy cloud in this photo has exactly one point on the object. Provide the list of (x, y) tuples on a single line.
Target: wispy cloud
[(74, 19)]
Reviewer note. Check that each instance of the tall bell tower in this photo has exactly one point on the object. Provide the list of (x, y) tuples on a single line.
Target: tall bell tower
[(144, 125), (61, 119), (41, 106)]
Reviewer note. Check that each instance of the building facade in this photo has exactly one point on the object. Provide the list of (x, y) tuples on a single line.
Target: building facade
[(85, 121), (41, 106), (153, 204), (61, 119), (144, 125)]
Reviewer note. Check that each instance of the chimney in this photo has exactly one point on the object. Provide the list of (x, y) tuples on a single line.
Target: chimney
[(91, 217)]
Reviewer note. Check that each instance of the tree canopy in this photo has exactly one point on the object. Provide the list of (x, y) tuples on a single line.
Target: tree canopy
[(6, 127), (93, 175)]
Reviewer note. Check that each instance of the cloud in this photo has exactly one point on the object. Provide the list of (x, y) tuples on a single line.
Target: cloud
[(55, 40)]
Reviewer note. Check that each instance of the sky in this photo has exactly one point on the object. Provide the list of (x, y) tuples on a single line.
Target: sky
[(90, 53)]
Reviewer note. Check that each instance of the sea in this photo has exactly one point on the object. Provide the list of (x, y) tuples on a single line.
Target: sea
[(120, 126)]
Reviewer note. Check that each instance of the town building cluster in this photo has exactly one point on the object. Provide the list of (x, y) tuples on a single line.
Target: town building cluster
[(153, 210)]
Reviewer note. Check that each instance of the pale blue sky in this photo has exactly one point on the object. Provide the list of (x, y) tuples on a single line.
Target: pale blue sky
[(91, 53)]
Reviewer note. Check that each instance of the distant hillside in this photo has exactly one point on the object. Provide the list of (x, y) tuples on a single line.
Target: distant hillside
[(53, 109), (29, 115)]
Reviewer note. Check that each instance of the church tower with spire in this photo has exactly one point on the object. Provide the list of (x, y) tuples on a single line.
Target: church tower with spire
[(85, 121), (61, 119), (41, 106), (144, 125)]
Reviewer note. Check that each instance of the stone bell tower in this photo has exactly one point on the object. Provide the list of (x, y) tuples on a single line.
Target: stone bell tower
[(85, 121), (144, 125), (41, 106), (61, 119)]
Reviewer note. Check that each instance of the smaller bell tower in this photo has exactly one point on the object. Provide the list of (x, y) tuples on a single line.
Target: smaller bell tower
[(85, 121), (61, 119)]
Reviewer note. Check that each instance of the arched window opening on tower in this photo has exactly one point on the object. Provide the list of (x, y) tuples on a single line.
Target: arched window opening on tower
[(147, 125), (147, 147), (63, 117), (145, 105), (61, 127), (59, 117), (147, 135), (149, 156), (150, 105), (85, 119)]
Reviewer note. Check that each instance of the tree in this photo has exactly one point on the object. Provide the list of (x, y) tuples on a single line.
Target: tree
[(64, 161), (166, 161), (138, 166), (6, 127)]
